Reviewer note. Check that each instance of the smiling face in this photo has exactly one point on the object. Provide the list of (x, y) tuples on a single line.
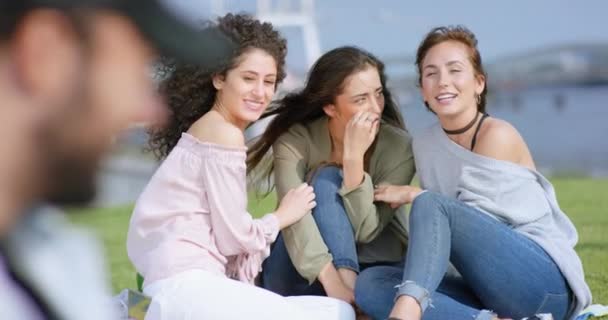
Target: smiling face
[(246, 90), (449, 82)]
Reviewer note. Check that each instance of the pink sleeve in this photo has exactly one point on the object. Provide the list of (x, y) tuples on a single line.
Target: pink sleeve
[(235, 231), (245, 267)]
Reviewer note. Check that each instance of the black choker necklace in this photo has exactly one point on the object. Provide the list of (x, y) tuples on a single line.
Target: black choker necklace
[(464, 129)]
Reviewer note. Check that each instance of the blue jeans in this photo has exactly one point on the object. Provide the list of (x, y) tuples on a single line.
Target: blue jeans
[(502, 270), (278, 273)]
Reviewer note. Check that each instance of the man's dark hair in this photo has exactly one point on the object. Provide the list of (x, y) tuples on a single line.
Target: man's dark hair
[(12, 12)]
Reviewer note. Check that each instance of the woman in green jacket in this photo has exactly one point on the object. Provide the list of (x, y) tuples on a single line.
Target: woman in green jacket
[(344, 134)]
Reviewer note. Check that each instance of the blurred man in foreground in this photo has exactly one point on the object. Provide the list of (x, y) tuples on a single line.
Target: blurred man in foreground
[(72, 75)]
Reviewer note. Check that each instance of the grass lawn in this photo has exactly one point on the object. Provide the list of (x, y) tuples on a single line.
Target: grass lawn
[(584, 200)]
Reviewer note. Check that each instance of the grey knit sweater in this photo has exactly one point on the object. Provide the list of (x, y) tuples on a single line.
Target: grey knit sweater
[(513, 194)]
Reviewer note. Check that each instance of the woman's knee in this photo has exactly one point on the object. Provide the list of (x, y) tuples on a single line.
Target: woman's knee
[(426, 204), (326, 179), (330, 209)]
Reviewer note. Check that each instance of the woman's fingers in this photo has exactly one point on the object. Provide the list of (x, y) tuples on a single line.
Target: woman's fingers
[(302, 186), (381, 195)]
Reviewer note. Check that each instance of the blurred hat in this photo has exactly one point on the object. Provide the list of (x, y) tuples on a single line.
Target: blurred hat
[(161, 21)]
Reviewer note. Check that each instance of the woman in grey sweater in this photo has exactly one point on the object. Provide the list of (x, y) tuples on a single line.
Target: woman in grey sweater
[(483, 207)]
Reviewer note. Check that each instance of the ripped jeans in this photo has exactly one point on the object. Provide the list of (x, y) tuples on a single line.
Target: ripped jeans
[(502, 272)]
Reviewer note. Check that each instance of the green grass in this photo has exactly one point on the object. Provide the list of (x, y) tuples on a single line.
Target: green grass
[(584, 200)]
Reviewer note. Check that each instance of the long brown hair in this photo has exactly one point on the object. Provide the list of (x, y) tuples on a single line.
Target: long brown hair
[(189, 89), (324, 83), (460, 34)]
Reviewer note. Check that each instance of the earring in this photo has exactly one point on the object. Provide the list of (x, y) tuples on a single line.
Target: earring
[(478, 99)]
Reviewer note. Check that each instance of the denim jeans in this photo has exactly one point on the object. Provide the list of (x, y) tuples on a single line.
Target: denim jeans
[(278, 273), (503, 272)]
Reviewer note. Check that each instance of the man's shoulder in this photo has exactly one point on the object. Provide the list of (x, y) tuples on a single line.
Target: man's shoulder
[(63, 261)]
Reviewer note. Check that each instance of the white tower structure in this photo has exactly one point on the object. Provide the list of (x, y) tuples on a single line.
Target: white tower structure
[(299, 14)]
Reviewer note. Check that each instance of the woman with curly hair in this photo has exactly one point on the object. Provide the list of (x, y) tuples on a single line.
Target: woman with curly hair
[(190, 235)]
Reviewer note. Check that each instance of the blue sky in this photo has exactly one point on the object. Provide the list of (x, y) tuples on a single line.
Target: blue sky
[(502, 27), (395, 27)]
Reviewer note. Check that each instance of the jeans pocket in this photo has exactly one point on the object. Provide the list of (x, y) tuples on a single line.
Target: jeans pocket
[(556, 304)]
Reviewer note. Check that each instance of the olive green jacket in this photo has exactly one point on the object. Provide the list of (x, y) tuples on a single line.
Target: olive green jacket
[(380, 232)]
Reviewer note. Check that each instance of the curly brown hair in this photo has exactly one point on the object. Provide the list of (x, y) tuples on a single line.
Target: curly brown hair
[(459, 34), (188, 88)]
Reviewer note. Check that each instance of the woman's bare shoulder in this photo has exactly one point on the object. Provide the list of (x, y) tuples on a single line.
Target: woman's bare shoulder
[(214, 129), (498, 139)]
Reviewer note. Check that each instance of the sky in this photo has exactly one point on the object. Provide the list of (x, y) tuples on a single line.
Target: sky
[(394, 28), (502, 27)]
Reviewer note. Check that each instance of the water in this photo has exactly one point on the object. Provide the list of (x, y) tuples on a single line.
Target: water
[(565, 128)]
